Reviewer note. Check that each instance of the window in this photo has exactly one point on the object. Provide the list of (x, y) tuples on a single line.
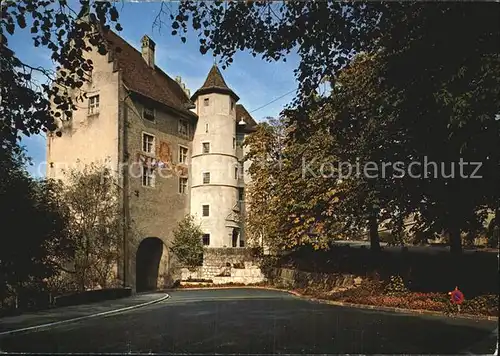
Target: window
[(183, 154), (241, 194), (206, 147), (232, 104), (183, 182), (242, 243), (206, 101), (94, 104), (148, 143), (234, 142), (240, 138), (235, 172), (206, 239), (148, 177), (205, 210), (148, 113), (183, 127), (206, 178), (206, 128)]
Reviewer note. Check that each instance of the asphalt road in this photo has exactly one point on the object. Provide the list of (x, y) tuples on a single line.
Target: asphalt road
[(250, 321)]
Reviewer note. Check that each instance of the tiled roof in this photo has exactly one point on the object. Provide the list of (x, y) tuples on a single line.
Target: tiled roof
[(242, 113), (214, 83), (139, 77), (214, 79)]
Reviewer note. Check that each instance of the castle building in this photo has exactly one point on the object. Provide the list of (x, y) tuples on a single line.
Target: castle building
[(175, 154)]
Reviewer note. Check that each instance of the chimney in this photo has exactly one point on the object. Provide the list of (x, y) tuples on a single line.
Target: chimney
[(148, 50), (178, 79)]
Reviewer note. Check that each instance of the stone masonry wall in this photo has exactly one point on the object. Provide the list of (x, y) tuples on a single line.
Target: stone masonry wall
[(290, 278), (227, 265), (154, 211)]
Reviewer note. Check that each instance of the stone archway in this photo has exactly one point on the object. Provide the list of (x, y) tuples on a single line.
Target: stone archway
[(147, 264)]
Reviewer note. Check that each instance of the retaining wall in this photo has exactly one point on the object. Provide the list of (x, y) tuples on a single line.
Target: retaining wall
[(291, 278), (227, 265)]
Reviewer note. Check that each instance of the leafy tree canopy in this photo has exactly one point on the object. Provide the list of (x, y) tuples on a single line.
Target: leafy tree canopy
[(187, 245), (440, 39), (67, 33), (34, 218)]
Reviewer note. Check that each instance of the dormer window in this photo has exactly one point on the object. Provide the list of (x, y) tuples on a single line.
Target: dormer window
[(148, 113), (183, 127)]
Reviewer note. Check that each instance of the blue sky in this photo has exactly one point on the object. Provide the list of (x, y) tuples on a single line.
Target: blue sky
[(256, 81)]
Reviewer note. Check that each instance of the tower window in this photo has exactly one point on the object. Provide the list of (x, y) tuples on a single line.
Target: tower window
[(235, 172), (206, 128), (232, 104), (234, 142), (206, 147), (206, 210), (241, 194), (206, 239), (206, 178), (206, 101)]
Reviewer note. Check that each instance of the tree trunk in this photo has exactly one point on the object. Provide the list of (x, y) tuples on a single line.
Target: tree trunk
[(495, 238), (373, 233), (455, 240)]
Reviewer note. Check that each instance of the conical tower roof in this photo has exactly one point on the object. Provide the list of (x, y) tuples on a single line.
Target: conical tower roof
[(215, 83)]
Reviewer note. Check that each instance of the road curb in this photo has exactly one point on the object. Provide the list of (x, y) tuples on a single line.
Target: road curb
[(67, 321), (353, 305), (397, 310)]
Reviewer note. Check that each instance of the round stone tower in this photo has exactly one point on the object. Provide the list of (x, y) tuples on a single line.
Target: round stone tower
[(215, 166)]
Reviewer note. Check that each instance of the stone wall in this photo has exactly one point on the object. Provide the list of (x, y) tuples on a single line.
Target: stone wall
[(227, 265), (290, 278)]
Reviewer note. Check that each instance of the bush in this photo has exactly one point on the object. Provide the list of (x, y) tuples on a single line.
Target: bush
[(396, 286), (485, 304), (187, 244), (267, 265), (366, 289)]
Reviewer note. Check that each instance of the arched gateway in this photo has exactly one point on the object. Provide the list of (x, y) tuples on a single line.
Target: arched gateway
[(148, 266)]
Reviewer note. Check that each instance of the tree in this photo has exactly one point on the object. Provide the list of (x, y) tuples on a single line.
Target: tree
[(324, 33), (54, 24), (187, 245), (92, 197), (34, 219), (443, 105), (376, 106), (328, 34), (264, 151), (293, 191)]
